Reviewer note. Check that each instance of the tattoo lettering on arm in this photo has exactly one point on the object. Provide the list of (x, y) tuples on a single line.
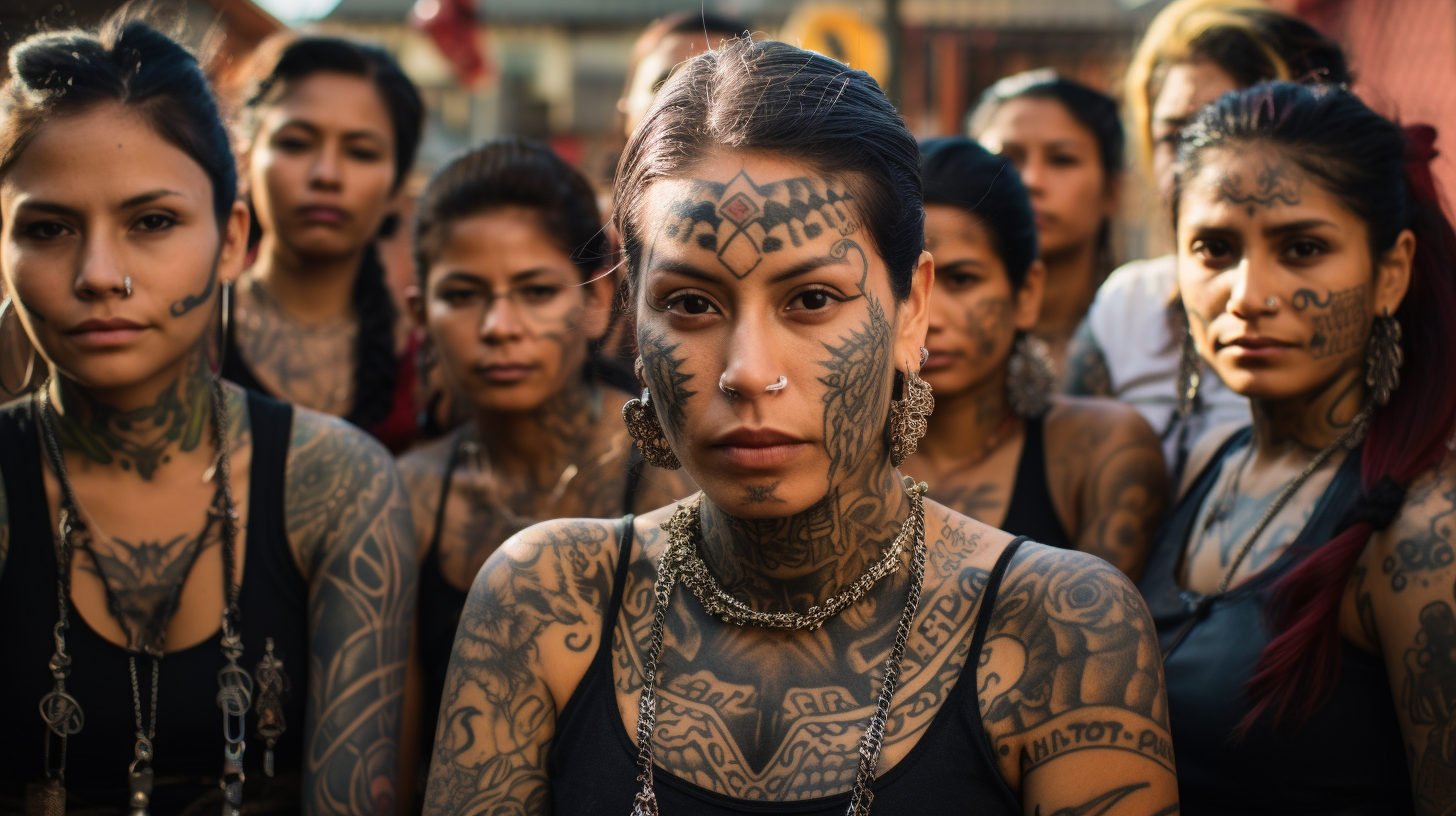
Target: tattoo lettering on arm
[(1339, 320), (1087, 372), (349, 519), (542, 591), (1280, 182)]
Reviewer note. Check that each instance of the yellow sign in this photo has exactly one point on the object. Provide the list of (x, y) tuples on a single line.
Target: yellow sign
[(843, 33)]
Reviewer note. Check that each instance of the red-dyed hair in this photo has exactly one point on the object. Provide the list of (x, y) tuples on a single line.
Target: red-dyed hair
[(1382, 174)]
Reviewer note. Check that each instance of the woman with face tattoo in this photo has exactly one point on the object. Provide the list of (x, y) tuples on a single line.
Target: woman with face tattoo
[(331, 131), (1002, 448), (809, 633), (1302, 587), (144, 500), (1194, 51), (513, 268)]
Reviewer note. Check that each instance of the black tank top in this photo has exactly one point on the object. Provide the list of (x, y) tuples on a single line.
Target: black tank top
[(1031, 512), (441, 602), (189, 741), (592, 762), (1348, 759)]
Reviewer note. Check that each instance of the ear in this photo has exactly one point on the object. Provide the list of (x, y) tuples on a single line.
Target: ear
[(1112, 196), (414, 300), (1392, 274), (1029, 296), (914, 314), (598, 301), (234, 251)]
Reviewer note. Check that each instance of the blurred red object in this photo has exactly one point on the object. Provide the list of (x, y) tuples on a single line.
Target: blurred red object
[(453, 25)]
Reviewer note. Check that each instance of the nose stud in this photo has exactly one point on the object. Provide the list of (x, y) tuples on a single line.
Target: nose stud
[(126, 287), (1271, 302)]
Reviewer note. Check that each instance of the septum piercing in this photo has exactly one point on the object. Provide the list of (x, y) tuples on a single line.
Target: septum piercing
[(126, 287), (778, 385)]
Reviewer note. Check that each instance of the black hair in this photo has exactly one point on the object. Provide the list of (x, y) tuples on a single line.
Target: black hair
[(1382, 175), (693, 22), (960, 173), (126, 63), (376, 370), (1094, 110), (512, 173), (1307, 54), (773, 97)]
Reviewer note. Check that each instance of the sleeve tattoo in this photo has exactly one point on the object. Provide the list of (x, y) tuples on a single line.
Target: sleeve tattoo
[(349, 517), (1087, 372)]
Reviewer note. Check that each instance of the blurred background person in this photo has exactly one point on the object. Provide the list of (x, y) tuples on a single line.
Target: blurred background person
[(513, 293), (1083, 473), (331, 130), (1193, 52), (1066, 141)]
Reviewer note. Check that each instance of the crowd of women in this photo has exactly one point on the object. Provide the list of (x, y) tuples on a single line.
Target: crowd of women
[(831, 472)]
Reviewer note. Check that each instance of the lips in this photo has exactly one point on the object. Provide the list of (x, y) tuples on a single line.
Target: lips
[(757, 448), (937, 360), (322, 214), (505, 373), (1255, 346), (113, 331)]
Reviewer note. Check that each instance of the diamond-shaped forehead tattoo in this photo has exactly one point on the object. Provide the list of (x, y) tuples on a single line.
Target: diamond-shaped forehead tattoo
[(742, 221)]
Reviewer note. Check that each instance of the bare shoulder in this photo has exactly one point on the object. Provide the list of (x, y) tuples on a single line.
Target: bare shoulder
[(1070, 662), (1106, 421), (955, 539)]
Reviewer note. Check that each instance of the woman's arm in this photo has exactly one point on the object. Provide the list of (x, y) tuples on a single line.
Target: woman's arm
[(528, 632), (1072, 690), (1404, 600), (1123, 487), (1087, 373), (349, 521)]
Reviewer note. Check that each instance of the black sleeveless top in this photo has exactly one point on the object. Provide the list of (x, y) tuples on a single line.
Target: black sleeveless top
[(592, 762), (1031, 512), (1348, 759), (441, 602), (189, 741)]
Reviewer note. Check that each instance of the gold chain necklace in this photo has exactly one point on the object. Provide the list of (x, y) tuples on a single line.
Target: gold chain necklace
[(682, 529)]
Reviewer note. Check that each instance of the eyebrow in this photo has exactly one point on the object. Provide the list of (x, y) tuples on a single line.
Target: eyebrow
[(1298, 226), (947, 267), (804, 267), (471, 277), (315, 130), (131, 203)]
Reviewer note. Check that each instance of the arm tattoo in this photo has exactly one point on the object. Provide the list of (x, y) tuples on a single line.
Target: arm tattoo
[(497, 717), (1075, 662), (349, 518), (1428, 699), (1087, 371), (1417, 557), (1129, 491), (1098, 805), (1280, 182)]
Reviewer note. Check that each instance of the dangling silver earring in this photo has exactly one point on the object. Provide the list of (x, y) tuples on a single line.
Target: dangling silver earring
[(15, 338), (224, 324), (1030, 376), (1383, 358), (1190, 374)]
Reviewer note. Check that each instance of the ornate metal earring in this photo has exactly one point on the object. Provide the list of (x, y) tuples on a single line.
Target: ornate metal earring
[(1383, 358), (909, 415), (1031, 377), (15, 338), (646, 429), (1189, 374)]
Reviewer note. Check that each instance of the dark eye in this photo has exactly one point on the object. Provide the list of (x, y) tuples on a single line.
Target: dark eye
[(291, 144), (1212, 249), (365, 154), (155, 222), (1305, 250), (814, 299), (1065, 160), (690, 304), (458, 297), (45, 230), (537, 294), (960, 280)]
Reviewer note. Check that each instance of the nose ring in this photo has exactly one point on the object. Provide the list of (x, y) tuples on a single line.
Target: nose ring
[(723, 386), (779, 385), (126, 287), (1271, 302)]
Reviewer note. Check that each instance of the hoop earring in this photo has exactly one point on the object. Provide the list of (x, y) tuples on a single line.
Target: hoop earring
[(1190, 374), (7, 307), (1383, 358), (909, 415), (1030, 376), (224, 324), (646, 429)]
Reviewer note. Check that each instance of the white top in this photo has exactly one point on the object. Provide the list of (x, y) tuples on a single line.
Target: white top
[(1129, 321)]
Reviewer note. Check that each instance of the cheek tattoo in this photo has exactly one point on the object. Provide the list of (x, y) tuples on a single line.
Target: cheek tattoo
[(1338, 320)]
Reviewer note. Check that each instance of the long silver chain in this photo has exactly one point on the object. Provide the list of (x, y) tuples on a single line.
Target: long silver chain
[(683, 528)]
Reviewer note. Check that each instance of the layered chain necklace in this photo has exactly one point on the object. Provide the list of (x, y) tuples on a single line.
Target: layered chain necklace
[(681, 561), (62, 712)]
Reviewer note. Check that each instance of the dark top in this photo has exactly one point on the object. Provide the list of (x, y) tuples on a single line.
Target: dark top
[(592, 762), (1031, 512), (189, 741), (1348, 759)]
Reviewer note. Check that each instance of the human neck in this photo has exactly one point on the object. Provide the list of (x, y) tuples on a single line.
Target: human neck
[(309, 289), (138, 428), (538, 443), (965, 422), (792, 563), (1307, 423), (1071, 283)]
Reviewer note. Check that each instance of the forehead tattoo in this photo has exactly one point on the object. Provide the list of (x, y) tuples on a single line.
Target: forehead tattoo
[(742, 221), (1277, 183)]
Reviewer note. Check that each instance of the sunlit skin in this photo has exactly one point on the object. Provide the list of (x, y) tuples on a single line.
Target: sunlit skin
[(1058, 159), (97, 198), (1108, 485), (1186, 88), (1300, 357)]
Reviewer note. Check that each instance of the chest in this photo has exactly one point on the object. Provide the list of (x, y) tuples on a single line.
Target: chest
[(308, 365)]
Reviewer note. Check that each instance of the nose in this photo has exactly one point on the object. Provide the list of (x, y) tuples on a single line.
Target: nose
[(100, 271), (1033, 174), (1253, 289), (753, 370), (502, 322), (326, 171)]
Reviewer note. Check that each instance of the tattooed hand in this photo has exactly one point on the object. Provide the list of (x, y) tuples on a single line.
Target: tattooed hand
[(348, 519)]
